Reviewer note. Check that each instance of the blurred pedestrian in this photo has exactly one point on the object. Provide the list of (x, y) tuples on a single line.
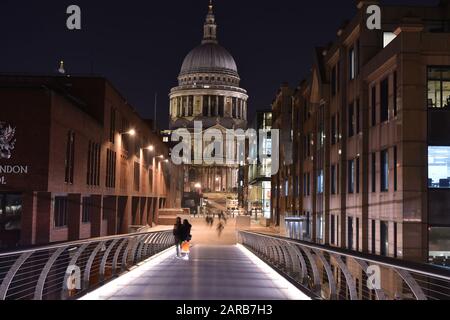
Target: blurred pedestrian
[(177, 233)]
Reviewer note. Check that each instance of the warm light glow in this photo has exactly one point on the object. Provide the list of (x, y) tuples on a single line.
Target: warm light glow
[(132, 132), (150, 148), (198, 186)]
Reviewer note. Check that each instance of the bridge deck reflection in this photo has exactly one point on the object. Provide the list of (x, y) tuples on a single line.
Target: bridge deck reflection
[(212, 273)]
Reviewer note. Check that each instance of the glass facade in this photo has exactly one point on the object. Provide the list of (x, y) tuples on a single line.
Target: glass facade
[(439, 167), (438, 87)]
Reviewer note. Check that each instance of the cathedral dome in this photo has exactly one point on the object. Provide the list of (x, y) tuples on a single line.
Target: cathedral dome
[(209, 57)]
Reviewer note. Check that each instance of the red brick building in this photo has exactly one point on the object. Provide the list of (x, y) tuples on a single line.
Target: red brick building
[(69, 167)]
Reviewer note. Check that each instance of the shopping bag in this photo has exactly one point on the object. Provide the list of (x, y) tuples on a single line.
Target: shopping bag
[(185, 247)]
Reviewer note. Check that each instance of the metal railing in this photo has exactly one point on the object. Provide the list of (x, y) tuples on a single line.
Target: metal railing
[(66, 271), (333, 274)]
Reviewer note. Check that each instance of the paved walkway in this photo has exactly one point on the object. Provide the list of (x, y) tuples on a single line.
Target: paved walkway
[(212, 273)]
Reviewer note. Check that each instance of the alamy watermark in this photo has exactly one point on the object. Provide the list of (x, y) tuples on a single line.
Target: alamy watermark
[(232, 147), (73, 278), (374, 278)]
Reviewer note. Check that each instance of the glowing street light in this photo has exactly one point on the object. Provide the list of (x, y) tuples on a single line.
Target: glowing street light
[(131, 132), (198, 186)]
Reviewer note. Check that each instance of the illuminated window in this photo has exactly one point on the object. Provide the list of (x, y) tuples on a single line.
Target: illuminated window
[(439, 167), (438, 87)]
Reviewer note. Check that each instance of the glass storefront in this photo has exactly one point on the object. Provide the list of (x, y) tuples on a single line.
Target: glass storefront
[(10, 220)]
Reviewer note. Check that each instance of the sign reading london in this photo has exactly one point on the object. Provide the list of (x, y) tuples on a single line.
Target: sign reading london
[(7, 146)]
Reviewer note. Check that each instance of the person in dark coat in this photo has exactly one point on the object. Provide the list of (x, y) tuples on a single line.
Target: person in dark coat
[(186, 231), (177, 233)]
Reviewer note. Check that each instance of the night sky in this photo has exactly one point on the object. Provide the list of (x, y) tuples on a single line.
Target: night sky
[(140, 45)]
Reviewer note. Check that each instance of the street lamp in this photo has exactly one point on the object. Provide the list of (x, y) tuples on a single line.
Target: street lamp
[(150, 148), (131, 132)]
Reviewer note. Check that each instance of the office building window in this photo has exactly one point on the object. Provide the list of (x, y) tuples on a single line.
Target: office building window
[(438, 87), (333, 229), (384, 238), (70, 157), (384, 100), (333, 180), (439, 167), (351, 176), (358, 117), (351, 120), (374, 172), (125, 137), (350, 233), (352, 63), (320, 183), (112, 126), (384, 170), (395, 94), (357, 234), (86, 210), (395, 169), (61, 212), (395, 240), (374, 235), (93, 164), (111, 160), (374, 105), (357, 175)]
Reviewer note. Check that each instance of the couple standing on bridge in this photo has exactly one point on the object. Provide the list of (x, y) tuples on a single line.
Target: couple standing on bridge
[(182, 234)]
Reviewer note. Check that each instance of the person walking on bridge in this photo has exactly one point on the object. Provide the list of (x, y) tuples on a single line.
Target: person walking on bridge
[(186, 237), (177, 233)]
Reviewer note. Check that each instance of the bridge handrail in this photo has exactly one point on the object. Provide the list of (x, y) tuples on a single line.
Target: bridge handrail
[(66, 270), (299, 260)]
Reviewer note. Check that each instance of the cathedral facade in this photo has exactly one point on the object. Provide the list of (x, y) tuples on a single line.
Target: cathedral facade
[(208, 91)]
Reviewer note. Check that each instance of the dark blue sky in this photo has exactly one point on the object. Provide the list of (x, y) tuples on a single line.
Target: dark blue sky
[(140, 45)]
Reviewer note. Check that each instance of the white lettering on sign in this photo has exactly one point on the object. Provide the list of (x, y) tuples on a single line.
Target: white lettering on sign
[(74, 20), (13, 169), (374, 17), (2, 181)]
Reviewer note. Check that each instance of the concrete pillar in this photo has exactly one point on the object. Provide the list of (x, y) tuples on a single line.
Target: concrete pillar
[(28, 231), (44, 219), (96, 216), (74, 212)]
